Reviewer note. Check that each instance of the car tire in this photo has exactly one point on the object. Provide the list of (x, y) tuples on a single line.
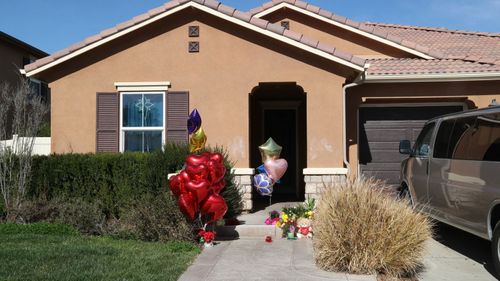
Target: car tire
[(495, 248), (405, 194)]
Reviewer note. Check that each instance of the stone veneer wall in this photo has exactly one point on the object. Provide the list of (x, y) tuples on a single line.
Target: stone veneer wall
[(243, 179), (318, 178)]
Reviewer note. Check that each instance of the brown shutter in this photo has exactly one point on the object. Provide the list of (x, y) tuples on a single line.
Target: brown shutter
[(107, 128), (177, 115)]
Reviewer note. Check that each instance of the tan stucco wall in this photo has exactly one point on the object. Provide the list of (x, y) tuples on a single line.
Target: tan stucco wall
[(335, 36), (231, 62), (473, 94)]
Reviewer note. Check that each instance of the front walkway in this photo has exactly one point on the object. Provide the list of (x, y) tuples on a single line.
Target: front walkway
[(254, 259)]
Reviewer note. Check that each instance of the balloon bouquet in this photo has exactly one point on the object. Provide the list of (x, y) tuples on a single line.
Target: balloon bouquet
[(271, 171), (198, 184)]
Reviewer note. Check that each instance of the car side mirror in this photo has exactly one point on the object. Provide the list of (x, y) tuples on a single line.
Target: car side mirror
[(405, 147)]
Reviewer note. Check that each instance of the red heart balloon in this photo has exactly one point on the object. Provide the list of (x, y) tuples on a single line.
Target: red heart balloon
[(184, 176), (216, 171), (188, 205), (177, 185), (196, 160), (215, 207), (217, 187), (200, 189), (197, 173), (217, 157)]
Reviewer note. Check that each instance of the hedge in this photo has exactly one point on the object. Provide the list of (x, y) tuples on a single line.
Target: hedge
[(115, 180)]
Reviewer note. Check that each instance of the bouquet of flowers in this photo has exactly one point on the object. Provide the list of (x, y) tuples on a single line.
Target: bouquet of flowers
[(206, 237), (289, 216)]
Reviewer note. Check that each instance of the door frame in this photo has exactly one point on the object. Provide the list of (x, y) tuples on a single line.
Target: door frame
[(403, 104)]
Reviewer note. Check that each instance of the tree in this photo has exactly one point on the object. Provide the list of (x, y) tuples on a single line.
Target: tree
[(21, 113)]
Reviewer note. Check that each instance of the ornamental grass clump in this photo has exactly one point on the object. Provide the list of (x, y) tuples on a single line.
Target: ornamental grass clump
[(359, 229)]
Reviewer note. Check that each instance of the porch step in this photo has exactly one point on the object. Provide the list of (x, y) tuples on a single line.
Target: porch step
[(247, 231), (253, 225)]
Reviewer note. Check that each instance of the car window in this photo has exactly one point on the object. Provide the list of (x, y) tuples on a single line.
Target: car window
[(461, 137), (422, 145), (443, 139), (486, 139)]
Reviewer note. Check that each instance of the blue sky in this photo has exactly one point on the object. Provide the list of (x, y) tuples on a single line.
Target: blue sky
[(52, 25)]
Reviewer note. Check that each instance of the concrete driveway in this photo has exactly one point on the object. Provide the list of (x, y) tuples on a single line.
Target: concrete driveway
[(457, 255)]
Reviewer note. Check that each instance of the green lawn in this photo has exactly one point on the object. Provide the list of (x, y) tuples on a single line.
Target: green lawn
[(74, 257)]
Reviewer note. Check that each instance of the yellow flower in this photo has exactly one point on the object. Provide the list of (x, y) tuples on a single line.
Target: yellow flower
[(284, 217), (309, 214), (278, 224)]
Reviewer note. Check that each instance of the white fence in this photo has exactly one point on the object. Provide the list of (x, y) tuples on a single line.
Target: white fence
[(40, 147)]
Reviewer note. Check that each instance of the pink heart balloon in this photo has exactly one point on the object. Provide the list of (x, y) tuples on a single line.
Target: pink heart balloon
[(275, 169)]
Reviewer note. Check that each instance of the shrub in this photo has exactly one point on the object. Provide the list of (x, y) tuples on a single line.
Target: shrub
[(116, 180), (359, 229), (152, 218), (85, 216), (37, 228)]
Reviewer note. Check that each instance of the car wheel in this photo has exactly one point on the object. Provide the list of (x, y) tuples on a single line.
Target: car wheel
[(404, 194), (495, 247)]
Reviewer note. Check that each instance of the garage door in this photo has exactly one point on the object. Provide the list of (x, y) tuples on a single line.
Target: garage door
[(381, 129)]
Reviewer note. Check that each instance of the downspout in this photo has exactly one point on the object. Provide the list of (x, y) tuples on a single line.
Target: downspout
[(358, 81)]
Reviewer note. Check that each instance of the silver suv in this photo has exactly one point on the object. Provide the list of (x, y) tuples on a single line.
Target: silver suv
[(453, 172)]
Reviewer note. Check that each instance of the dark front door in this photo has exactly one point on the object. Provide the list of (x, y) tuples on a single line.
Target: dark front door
[(281, 125)]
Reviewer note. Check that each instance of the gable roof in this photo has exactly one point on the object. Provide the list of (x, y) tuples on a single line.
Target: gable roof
[(455, 44), (404, 44), (212, 7)]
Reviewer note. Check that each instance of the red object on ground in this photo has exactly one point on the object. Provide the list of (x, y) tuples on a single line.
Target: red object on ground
[(269, 239)]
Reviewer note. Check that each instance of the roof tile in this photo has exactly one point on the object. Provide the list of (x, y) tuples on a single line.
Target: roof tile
[(366, 28), (226, 9), (259, 22), (352, 23), (268, 5), (339, 18), (109, 31), (326, 48), (30, 67), (276, 28), (394, 38), (156, 11), (359, 61), (92, 39), (256, 10), (343, 55), (309, 41), (325, 13), (141, 17), (242, 16), (171, 4), (76, 46), (292, 35), (301, 4), (408, 44), (212, 4), (60, 53), (125, 25), (44, 60), (312, 8)]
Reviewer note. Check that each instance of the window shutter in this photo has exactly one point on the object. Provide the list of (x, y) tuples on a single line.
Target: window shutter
[(177, 115), (107, 127)]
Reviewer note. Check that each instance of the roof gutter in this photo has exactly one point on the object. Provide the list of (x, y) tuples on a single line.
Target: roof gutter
[(450, 77)]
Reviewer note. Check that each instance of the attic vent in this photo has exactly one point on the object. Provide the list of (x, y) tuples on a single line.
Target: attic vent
[(286, 24), (194, 31), (194, 47)]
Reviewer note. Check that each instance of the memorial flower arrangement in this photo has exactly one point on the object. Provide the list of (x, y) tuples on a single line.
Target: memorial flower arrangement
[(291, 215)]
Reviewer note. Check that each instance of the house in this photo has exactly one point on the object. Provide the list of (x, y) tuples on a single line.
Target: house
[(338, 95), (15, 54)]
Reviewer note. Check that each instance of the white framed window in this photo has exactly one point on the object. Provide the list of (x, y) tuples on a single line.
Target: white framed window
[(142, 121)]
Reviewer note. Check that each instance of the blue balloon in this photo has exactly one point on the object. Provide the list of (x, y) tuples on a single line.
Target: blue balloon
[(263, 184), (194, 121), (262, 170)]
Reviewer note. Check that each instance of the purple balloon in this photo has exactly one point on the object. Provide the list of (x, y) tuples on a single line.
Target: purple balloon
[(263, 184), (194, 121)]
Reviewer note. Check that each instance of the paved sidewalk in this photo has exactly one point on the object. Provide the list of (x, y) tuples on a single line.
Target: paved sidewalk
[(254, 259)]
